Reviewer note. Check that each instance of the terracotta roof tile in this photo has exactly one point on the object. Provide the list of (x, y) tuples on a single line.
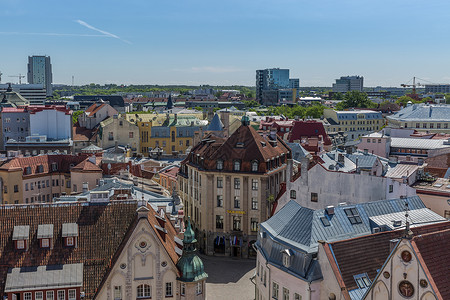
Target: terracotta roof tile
[(433, 250), (102, 228), (367, 254), (94, 108), (308, 129)]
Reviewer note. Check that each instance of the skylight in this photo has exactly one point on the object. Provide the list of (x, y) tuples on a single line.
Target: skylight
[(325, 221), (353, 215)]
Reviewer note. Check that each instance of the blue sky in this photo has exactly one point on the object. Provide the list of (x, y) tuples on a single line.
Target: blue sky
[(223, 42)]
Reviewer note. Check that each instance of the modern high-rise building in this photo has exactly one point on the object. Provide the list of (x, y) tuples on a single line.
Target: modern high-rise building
[(40, 71), (270, 81), (348, 83)]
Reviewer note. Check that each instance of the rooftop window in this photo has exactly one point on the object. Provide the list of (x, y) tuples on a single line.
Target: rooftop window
[(353, 215), (362, 280)]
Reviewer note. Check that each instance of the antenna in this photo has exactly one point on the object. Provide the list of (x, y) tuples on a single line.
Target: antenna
[(73, 78)]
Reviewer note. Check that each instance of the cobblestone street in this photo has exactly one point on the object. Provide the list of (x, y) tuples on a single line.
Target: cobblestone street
[(228, 278)]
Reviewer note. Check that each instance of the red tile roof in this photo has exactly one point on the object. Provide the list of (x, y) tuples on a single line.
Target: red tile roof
[(308, 129), (80, 134), (245, 145), (368, 253), (37, 108), (63, 162), (87, 166), (103, 232), (91, 110), (433, 251), (171, 172)]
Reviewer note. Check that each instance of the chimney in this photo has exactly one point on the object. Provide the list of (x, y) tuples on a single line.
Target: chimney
[(85, 187), (329, 210)]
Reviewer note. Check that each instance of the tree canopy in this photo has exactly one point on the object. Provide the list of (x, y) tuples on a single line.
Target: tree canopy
[(355, 99)]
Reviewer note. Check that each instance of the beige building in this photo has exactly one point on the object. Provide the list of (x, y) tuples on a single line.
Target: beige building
[(118, 129), (353, 123), (228, 186), (39, 179)]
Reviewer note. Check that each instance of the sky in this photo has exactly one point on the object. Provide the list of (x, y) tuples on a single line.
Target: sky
[(196, 42)]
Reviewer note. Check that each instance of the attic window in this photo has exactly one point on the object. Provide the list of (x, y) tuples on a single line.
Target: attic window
[(219, 164), (325, 221), (239, 145), (54, 166), (27, 170), (287, 254), (70, 234), (45, 234), (40, 169), (362, 280), (21, 236), (353, 215), (255, 166)]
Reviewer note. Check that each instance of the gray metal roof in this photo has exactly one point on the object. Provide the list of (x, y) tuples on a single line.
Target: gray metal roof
[(365, 161), (69, 229), (45, 231), (44, 277), (416, 217), (216, 124), (401, 170), (21, 232), (423, 113), (411, 143), (298, 152)]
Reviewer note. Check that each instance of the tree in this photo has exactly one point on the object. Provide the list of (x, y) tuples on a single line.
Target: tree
[(355, 99), (403, 100), (250, 103), (75, 115)]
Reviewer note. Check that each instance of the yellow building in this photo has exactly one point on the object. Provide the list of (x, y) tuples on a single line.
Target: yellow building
[(170, 133)]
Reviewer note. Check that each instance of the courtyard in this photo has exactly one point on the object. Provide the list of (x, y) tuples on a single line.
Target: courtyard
[(228, 278)]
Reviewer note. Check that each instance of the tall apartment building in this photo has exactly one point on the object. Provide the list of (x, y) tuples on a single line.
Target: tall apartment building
[(348, 83), (227, 186), (270, 81), (40, 71)]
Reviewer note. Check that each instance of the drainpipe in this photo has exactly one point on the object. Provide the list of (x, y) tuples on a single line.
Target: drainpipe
[(309, 291)]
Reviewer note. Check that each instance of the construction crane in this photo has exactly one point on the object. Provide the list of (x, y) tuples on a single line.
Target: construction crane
[(413, 85), (20, 76)]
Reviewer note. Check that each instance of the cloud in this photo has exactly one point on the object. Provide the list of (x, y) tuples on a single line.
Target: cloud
[(210, 69), (105, 33)]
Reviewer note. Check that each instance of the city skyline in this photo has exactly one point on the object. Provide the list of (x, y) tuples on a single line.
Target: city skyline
[(224, 43)]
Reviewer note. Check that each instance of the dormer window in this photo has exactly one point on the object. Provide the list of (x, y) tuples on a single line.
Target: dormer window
[(54, 167), (255, 166), (287, 255), (70, 234), (21, 235), (236, 165), (40, 169), (45, 235), (219, 164), (27, 170)]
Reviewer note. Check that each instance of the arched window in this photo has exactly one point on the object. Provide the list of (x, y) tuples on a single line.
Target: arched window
[(237, 165), (144, 291), (219, 164), (255, 166)]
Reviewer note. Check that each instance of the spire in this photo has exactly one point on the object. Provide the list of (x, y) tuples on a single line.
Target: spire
[(169, 102), (190, 265), (408, 233), (216, 124)]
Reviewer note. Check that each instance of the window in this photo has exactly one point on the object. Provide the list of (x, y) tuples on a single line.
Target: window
[(26, 296), (286, 258), (68, 184), (254, 224), (16, 188), (38, 296), (368, 140), (144, 291), (424, 125), (236, 165), (110, 136), (254, 184), (183, 289), (49, 295), (447, 214), (62, 295), (72, 294), (391, 188), (362, 280), (285, 294), (130, 135), (5, 189), (45, 243), (255, 166), (236, 223), (69, 241), (353, 215), (26, 186), (379, 141), (314, 197), (20, 244), (275, 288), (237, 202), (237, 183), (164, 143), (297, 296), (219, 164), (219, 182), (254, 203), (219, 200), (199, 288), (219, 222), (294, 194), (169, 289), (117, 293)]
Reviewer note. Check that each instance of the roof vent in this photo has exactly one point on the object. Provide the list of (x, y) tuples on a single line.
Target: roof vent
[(397, 223), (330, 210)]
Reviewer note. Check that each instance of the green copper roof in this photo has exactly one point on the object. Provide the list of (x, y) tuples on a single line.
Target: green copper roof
[(190, 265)]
